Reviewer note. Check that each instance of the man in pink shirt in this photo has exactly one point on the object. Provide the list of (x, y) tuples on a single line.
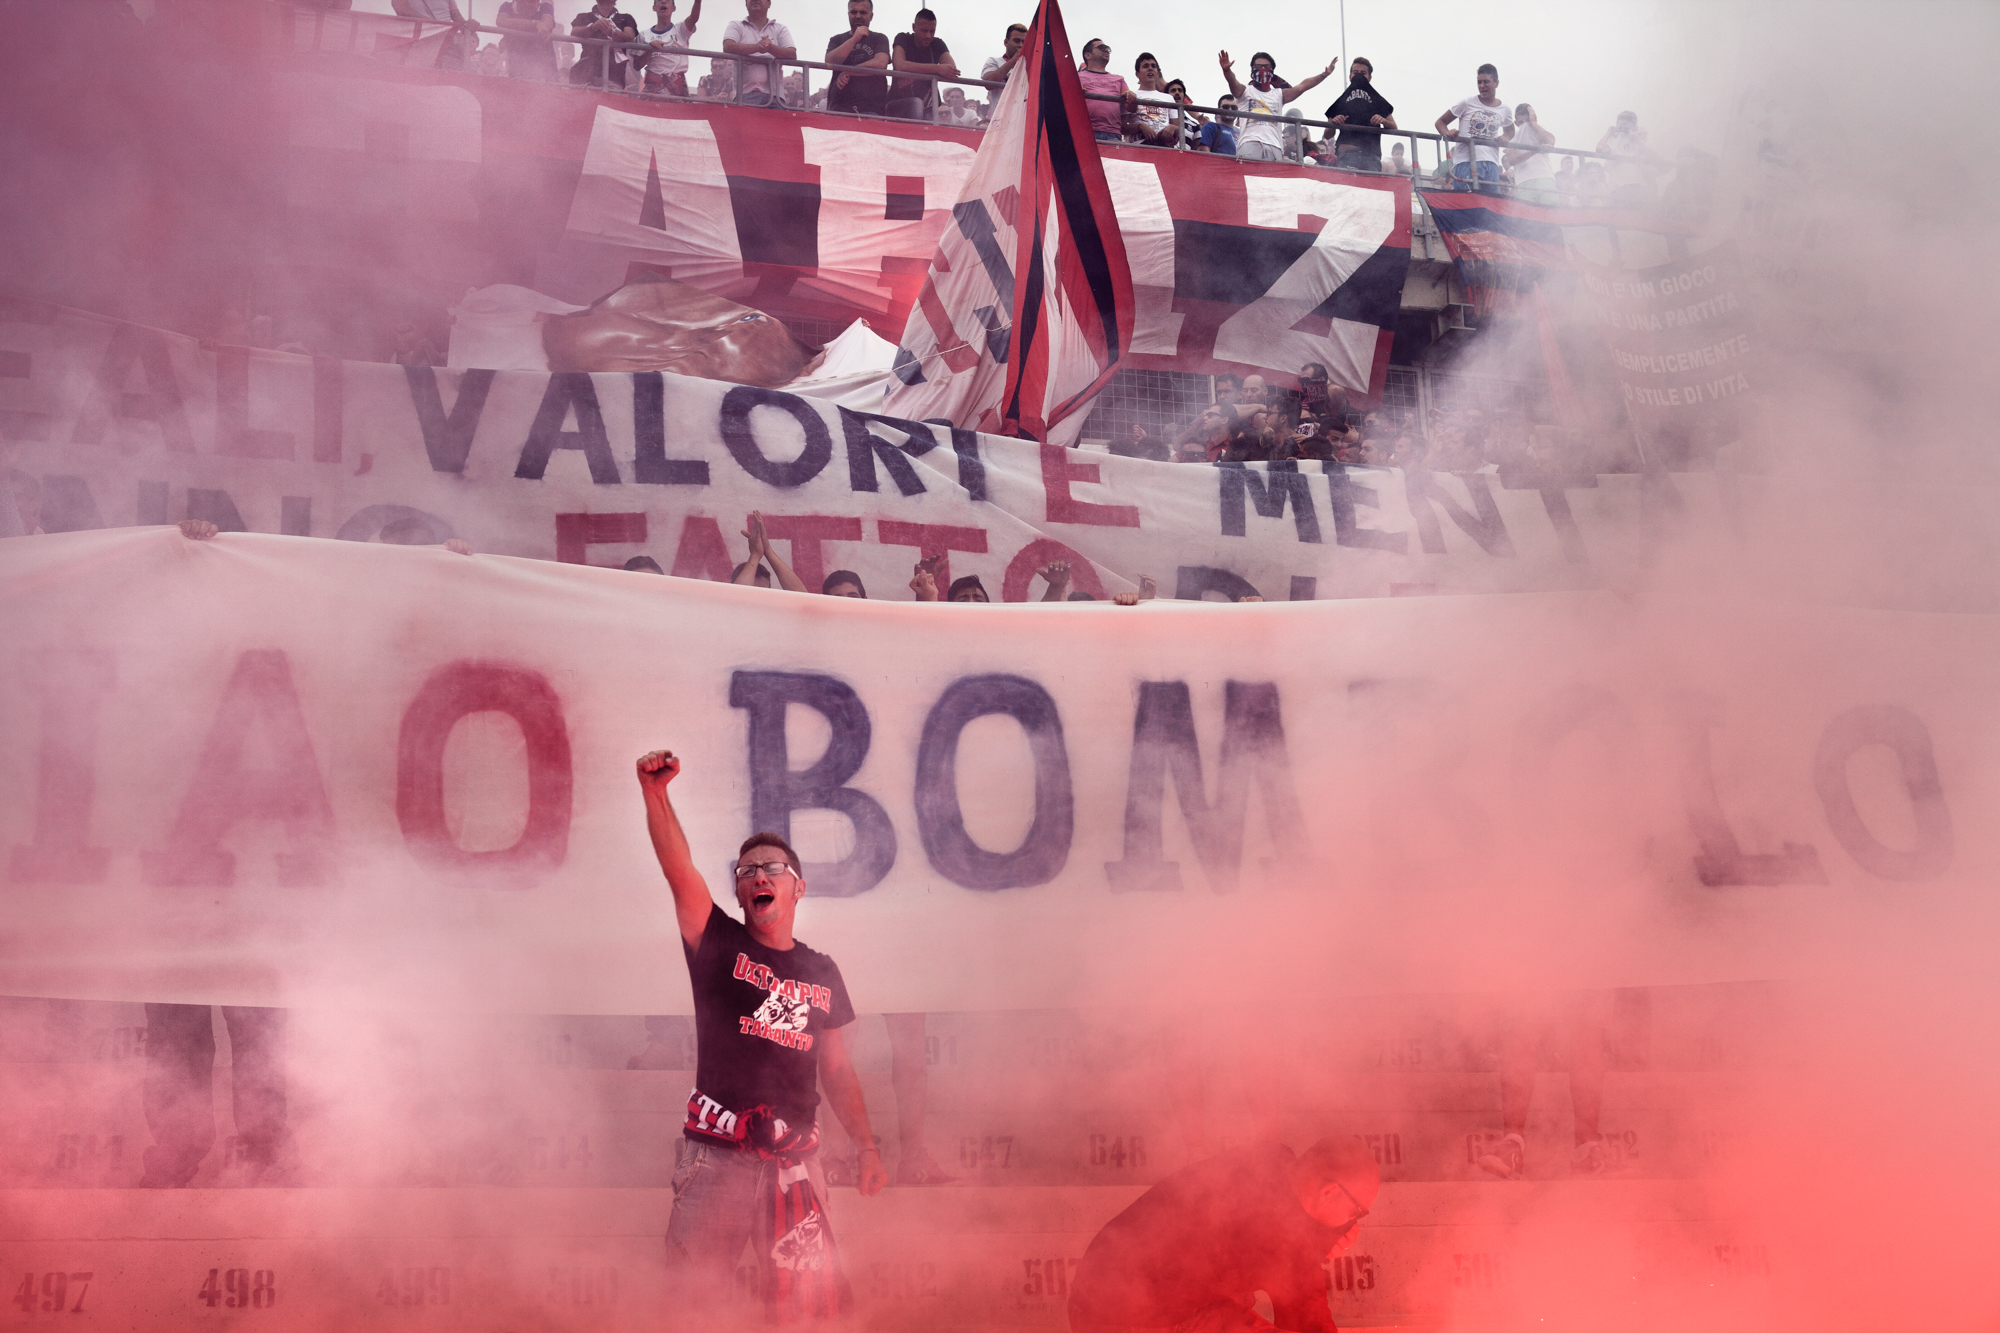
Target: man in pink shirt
[(1107, 119)]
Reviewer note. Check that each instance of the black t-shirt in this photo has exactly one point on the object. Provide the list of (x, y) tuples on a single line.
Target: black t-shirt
[(931, 53), (758, 1013), (1220, 1230), (868, 93), (590, 64), (1358, 103)]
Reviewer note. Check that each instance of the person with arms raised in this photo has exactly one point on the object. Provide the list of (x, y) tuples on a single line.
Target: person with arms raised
[(1263, 140), (769, 1019)]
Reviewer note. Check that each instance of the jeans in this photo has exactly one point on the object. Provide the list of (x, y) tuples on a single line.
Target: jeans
[(1258, 152), (179, 1089), (715, 1191), (1488, 171)]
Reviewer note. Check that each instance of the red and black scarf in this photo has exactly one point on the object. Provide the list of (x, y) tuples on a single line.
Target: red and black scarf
[(798, 1265)]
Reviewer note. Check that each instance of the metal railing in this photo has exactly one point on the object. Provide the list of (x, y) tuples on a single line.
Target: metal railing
[(606, 54)]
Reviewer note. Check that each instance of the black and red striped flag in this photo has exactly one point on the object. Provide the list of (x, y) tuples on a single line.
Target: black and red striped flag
[(1027, 308)]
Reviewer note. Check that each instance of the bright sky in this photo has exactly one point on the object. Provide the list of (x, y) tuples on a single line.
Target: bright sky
[(1580, 62)]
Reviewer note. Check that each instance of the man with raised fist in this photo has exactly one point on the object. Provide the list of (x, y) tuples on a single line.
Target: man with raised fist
[(769, 1014)]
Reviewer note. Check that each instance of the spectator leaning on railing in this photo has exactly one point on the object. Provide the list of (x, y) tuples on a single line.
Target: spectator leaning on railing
[(1359, 104), (1263, 140), (457, 45), (1219, 135), (666, 64), (758, 34), (865, 48), (1154, 118), (997, 68), (1485, 124), (1191, 121), (602, 22), (1534, 173), (919, 51), (1107, 119), (529, 24)]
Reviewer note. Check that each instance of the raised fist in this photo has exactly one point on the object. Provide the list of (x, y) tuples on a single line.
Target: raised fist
[(657, 768)]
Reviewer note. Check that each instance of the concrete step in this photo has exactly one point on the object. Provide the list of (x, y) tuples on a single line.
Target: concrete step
[(929, 1259), (83, 1124)]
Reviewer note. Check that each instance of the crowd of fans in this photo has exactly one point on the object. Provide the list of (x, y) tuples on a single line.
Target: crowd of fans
[(1254, 421), (1493, 144)]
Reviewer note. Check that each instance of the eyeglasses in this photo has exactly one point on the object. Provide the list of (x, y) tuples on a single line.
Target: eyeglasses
[(770, 869)]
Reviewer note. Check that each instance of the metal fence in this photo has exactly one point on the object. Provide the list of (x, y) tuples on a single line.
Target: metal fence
[(322, 30)]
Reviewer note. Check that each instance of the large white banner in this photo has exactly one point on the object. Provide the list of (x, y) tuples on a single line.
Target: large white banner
[(116, 424), (274, 771)]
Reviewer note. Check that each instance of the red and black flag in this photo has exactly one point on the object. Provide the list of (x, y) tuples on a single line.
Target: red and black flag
[(1027, 308)]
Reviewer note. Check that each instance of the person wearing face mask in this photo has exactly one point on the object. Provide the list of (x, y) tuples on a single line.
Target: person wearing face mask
[(1194, 1250), (1360, 104), (1263, 140)]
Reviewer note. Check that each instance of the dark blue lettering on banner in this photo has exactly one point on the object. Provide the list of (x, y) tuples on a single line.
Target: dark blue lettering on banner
[(739, 408), (776, 789), (953, 854)]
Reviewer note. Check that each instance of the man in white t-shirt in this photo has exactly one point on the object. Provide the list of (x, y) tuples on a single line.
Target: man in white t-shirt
[(955, 110), (758, 35), (1631, 185), (1485, 125), (1534, 173), (666, 68), (997, 68), (1263, 140)]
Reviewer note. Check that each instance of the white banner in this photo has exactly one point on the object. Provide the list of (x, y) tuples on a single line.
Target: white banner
[(115, 424), (271, 771)]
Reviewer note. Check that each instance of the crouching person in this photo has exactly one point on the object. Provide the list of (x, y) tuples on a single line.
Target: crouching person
[(1193, 1251)]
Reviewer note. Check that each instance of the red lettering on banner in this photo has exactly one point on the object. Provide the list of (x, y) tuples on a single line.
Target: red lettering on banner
[(476, 687), (933, 539), (72, 686), (224, 791), (1058, 473), (1021, 569), (805, 532), (577, 533), (702, 553)]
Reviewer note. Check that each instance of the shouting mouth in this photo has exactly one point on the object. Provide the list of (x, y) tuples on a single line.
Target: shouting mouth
[(763, 898)]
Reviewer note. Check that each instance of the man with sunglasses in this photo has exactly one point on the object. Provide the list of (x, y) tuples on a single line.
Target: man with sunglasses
[(769, 1014), (1192, 1253)]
